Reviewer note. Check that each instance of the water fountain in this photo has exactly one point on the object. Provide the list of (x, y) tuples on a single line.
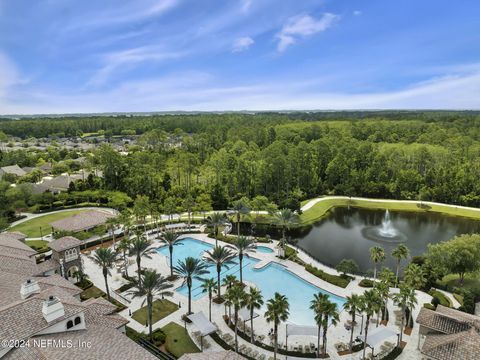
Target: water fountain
[(385, 232)]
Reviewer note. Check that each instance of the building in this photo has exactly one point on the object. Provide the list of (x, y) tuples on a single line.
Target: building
[(45, 312), (213, 355), (83, 221), (448, 334), (12, 170), (66, 253)]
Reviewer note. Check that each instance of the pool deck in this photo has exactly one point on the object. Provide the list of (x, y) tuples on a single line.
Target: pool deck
[(261, 327)]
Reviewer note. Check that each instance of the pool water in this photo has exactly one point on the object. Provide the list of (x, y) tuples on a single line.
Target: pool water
[(270, 279), (264, 249)]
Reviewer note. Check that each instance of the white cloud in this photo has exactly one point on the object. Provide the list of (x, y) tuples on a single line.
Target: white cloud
[(302, 26), (242, 44), (357, 13)]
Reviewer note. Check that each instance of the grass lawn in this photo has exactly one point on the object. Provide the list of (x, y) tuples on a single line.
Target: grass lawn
[(471, 281), (321, 208), (178, 341), (38, 245), (161, 309), (31, 228), (91, 292)]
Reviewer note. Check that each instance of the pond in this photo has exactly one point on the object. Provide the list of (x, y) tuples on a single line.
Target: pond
[(350, 233)]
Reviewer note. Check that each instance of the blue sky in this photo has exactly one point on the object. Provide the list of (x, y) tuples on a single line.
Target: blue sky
[(60, 56)]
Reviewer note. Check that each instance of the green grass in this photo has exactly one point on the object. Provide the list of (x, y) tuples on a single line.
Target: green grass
[(178, 341), (321, 208), (31, 228), (444, 299), (91, 292), (161, 309), (471, 282), (38, 245), (459, 298)]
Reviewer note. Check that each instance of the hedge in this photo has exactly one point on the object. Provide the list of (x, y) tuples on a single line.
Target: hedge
[(444, 300), (341, 280), (366, 283), (429, 306)]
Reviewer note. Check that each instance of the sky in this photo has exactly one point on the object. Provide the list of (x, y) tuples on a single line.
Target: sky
[(71, 56)]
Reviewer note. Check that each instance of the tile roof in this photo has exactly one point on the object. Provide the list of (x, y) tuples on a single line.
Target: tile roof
[(82, 221), (456, 334), (13, 169), (214, 355), (64, 243)]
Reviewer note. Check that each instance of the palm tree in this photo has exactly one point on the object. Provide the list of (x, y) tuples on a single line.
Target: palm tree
[(236, 296), (285, 218), (169, 238), (229, 281), (190, 269), (220, 257), (330, 313), (352, 305), (124, 246), (253, 300), (215, 220), (383, 291), (243, 246), (112, 224), (240, 207), (152, 285), (405, 298), (125, 218), (414, 276), (370, 304), (399, 253), (105, 257), (209, 286), (140, 247), (277, 312), (377, 254), (318, 306)]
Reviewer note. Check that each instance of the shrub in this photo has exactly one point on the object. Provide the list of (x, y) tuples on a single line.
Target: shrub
[(429, 306), (442, 298), (366, 283), (341, 281), (159, 337), (347, 266), (458, 297), (468, 305)]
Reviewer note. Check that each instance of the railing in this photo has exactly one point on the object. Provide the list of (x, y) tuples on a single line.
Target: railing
[(120, 298), (147, 345)]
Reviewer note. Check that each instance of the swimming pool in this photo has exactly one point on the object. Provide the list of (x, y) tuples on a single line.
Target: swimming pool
[(270, 279), (264, 249)]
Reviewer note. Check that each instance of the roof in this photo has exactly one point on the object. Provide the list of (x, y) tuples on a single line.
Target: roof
[(213, 355), (82, 221), (202, 323), (456, 334), (13, 169), (64, 243)]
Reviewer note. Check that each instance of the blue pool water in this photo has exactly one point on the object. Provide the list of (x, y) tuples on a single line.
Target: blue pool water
[(270, 279), (264, 249)]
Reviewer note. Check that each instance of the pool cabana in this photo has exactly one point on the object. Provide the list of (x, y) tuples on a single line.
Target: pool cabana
[(204, 326)]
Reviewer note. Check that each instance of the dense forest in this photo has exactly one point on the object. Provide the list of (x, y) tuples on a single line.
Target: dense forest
[(215, 159)]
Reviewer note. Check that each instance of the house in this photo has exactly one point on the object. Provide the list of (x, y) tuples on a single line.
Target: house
[(83, 221), (45, 311), (448, 334), (13, 170)]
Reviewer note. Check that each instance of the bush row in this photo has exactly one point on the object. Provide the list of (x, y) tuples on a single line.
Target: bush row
[(341, 280)]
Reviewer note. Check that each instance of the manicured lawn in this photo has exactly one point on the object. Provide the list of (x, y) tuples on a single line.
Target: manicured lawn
[(91, 292), (161, 309), (471, 281), (178, 341), (38, 245), (322, 207), (31, 228)]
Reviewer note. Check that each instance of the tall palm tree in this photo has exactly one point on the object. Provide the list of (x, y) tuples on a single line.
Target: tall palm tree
[(352, 305), (331, 314), (112, 224), (170, 238), (318, 305), (123, 247), (152, 285), (229, 281), (190, 269), (236, 296), (405, 298), (377, 254), (415, 276), (399, 253), (125, 218), (383, 290), (253, 300), (370, 304), (285, 218), (209, 286), (243, 246), (140, 247), (240, 207), (215, 220), (220, 257), (105, 257), (277, 312)]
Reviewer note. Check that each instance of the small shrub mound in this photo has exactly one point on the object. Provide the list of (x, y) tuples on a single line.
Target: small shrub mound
[(341, 281), (442, 298), (429, 306), (366, 283)]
